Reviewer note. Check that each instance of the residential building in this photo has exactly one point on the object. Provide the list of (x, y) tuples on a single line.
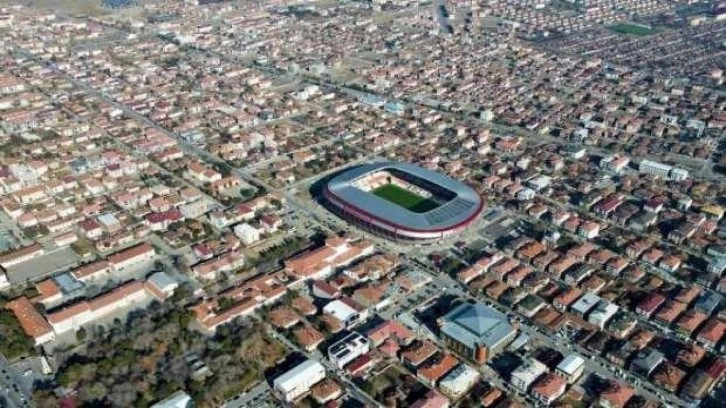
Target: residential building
[(457, 382), (584, 304), (662, 170), (247, 233), (646, 361), (524, 376), (548, 388), (348, 349), (602, 313), (571, 368), (346, 311), (616, 395), (436, 368)]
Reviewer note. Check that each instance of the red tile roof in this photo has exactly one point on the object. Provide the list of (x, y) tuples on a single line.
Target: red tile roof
[(33, 324)]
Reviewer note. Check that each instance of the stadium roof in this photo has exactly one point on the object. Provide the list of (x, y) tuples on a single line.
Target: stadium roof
[(461, 209)]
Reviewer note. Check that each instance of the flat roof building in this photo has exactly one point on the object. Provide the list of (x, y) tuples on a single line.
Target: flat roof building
[(179, 399), (585, 304), (458, 381), (299, 380), (348, 349), (602, 313), (526, 374), (571, 368)]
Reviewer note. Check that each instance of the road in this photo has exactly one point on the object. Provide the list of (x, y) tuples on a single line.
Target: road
[(317, 356), (11, 387), (594, 364), (257, 397)]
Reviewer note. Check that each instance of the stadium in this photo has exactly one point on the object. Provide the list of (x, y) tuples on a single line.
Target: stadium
[(403, 201)]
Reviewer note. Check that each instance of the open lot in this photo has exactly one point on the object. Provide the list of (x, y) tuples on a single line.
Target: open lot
[(43, 265), (404, 198)]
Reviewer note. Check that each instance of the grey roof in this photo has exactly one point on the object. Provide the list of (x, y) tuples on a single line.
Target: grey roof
[(68, 284), (162, 280), (647, 360), (571, 364), (708, 302), (476, 324), (465, 205)]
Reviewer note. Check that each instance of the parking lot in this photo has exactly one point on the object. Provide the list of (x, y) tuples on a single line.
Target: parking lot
[(260, 396)]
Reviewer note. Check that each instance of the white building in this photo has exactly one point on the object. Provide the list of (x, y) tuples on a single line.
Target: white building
[(662, 170), (525, 194), (346, 314), (3, 280), (179, 399), (299, 380), (525, 375), (458, 381), (602, 313), (348, 349), (131, 256), (539, 183), (571, 368), (614, 163), (73, 317), (247, 233), (585, 304), (678, 174)]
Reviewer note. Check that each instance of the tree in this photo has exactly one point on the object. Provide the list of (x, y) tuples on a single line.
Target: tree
[(246, 193), (81, 335)]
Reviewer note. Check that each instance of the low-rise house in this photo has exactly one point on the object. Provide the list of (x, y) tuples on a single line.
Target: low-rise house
[(308, 338), (549, 388), (418, 353), (616, 395), (650, 304), (390, 329), (571, 368), (432, 399), (458, 381), (347, 311), (524, 376), (712, 333), (565, 299), (646, 361), (668, 376), (437, 368)]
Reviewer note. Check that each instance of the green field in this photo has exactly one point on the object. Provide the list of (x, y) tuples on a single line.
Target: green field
[(404, 198), (632, 29)]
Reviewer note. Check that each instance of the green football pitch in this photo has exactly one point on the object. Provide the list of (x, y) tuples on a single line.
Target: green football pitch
[(404, 198)]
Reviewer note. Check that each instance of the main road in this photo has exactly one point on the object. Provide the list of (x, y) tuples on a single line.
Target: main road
[(10, 387)]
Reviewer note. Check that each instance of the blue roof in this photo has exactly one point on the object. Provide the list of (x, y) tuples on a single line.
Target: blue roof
[(476, 325), (465, 204)]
